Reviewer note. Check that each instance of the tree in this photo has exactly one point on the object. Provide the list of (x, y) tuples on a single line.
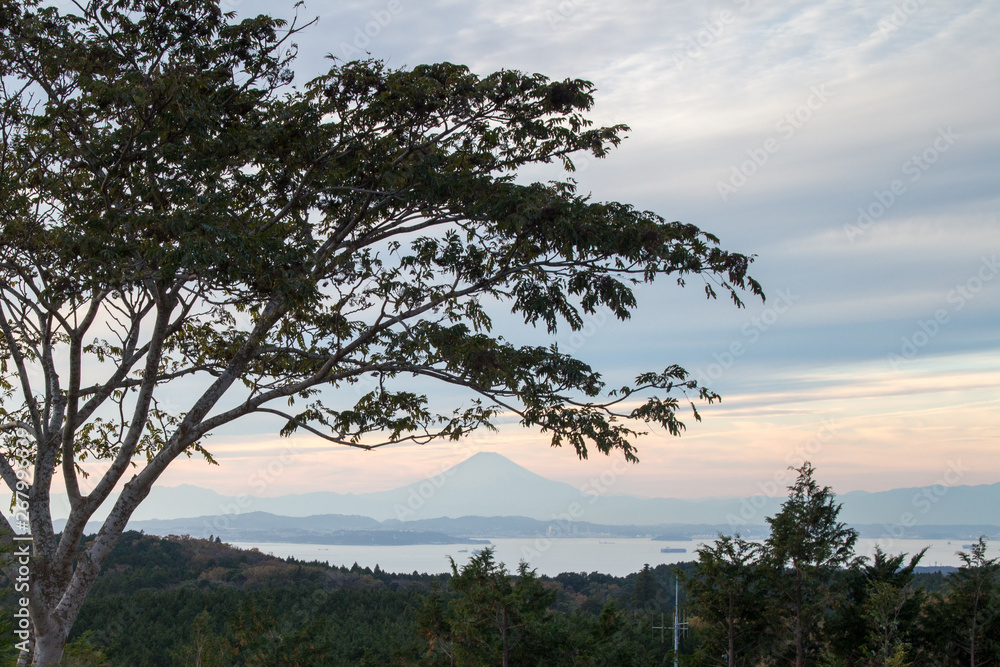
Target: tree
[(891, 606), (176, 213), (728, 596), (492, 615), (8, 653), (435, 630), (878, 614), (644, 594), (806, 537), (972, 607), (206, 648)]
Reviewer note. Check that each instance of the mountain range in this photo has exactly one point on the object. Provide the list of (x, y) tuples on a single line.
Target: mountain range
[(490, 485), (262, 527)]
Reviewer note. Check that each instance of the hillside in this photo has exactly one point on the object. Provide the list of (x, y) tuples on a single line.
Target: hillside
[(182, 601), (166, 601)]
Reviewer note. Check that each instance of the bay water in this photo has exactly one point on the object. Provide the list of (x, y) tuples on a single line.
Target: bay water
[(550, 557)]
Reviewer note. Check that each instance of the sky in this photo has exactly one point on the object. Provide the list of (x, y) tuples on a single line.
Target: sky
[(853, 147)]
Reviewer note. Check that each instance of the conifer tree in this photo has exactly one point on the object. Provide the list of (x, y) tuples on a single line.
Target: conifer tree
[(808, 542)]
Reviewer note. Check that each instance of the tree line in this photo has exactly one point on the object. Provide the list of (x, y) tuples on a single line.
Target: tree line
[(803, 596)]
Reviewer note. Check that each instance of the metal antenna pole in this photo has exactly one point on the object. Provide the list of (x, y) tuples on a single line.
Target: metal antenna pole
[(678, 626), (661, 627)]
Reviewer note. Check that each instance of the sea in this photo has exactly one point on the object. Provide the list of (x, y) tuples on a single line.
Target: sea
[(619, 557)]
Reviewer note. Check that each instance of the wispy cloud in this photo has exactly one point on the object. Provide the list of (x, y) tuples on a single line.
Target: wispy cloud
[(705, 87)]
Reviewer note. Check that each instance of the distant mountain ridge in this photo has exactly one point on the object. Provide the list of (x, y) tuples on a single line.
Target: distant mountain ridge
[(490, 485), (262, 527), (339, 529)]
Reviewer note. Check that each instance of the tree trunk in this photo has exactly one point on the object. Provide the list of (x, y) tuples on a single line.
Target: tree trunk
[(972, 646), (49, 649), (54, 604), (60, 582), (49, 630), (503, 634), (732, 634), (800, 657), (972, 637)]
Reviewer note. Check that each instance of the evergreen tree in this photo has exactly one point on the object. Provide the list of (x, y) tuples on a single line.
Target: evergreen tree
[(435, 630), (206, 648), (493, 615), (646, 589), (880, 611), (971, 609), (728, 597), (808, 540)]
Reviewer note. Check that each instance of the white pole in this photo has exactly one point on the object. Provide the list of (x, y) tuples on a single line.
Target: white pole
[(677, 627)]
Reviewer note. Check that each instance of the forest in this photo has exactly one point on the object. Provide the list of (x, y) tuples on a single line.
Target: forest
[(183, 601)]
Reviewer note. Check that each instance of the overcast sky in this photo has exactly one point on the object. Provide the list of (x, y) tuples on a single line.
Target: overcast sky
[(854, 147)]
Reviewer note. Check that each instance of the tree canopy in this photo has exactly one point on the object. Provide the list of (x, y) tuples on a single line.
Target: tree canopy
[(807, 537), (727, 593), (176, 212), (804, 597)]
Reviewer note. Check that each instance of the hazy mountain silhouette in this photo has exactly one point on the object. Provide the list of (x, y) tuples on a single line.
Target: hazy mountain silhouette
[(488, 484)]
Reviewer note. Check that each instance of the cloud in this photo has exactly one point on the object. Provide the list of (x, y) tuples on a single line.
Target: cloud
[(714, 87)]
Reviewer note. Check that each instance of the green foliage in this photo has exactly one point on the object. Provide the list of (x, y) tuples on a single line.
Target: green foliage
[(168, 601), (83, 653), (807, 538), (495, 618), (875, 620), (491, 617), (435, 630), (162, 601), (970, 611), (802, 597), (806, 534), (205, 648), (646, 589), (614, 638), (731, 599), (175, 211), (330, 214)]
